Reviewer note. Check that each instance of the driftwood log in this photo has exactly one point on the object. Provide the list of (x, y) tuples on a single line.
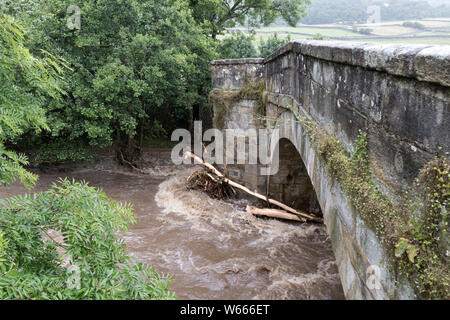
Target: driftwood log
[(274, 213), (236, 185)]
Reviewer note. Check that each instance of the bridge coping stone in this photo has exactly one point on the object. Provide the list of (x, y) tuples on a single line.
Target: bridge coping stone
[(422, 62), (238, 61)]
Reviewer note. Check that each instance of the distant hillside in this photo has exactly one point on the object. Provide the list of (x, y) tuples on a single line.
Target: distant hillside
[(355, 11), (436, 3)]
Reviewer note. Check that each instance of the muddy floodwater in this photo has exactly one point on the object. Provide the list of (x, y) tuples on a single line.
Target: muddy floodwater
[(213, 249)]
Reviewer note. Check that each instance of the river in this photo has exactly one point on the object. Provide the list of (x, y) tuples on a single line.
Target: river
[(212, 248)]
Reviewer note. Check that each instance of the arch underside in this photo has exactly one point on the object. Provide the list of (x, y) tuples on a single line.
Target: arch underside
[(291, 184)]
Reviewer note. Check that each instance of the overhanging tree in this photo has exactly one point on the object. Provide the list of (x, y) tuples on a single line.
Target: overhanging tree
[(217, 15), (25, 82), (134, 62)]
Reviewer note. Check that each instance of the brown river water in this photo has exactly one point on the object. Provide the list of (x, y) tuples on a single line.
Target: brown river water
[(212, 248)]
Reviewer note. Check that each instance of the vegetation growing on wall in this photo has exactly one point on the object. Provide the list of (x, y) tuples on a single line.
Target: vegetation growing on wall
[(428, 229), (411, 233), (223, 100)]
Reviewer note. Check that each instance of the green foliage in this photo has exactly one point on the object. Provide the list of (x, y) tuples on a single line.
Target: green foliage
[(404, 246), (157, 131), (238, 46), (3, 247), (59, 151), (317, 36), (414, 25), (362, 30), (217, 15), (31, 263), (428, 229), (12, 168), (25, 82), (271, 44), (133, 63), (88, 223)]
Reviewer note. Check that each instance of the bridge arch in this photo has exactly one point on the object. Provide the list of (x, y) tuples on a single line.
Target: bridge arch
[(291, 184), (349, 235), (398, 95)]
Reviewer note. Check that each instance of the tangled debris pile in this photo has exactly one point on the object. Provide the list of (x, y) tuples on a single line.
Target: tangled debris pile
[(208, 182), (219, 186)]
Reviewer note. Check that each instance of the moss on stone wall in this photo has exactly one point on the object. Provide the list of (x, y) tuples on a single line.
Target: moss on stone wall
[(223, 100), (411, 233)]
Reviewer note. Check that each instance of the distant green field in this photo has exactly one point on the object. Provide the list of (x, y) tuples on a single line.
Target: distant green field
[(432, 41), (331, 32), (440, 28)]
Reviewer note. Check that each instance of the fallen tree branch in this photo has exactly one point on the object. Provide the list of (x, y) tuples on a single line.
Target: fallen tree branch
[(274, 213), (255, 194), (130, 164)]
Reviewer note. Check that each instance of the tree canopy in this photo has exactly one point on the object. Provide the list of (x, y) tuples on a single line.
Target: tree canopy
[(216, 15), (271, 44), (134, 62)]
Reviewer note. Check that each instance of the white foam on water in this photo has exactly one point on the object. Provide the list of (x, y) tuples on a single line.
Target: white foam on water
[(273, 247)]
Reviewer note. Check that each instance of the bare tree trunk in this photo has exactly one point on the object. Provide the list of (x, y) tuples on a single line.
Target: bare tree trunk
[(274, 213)]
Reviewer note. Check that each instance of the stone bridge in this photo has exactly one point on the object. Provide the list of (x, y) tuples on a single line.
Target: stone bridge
[(398, 95)]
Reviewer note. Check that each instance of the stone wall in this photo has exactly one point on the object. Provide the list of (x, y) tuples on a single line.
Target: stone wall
[(228, 76), (399, 95)]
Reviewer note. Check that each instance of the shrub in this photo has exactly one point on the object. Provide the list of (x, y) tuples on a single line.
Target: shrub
[(237, 46), (272, 44), (414, 25), (36, 264)]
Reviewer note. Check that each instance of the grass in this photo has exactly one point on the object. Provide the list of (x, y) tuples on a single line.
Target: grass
[(392, 30), (445, 40), (417, 40)]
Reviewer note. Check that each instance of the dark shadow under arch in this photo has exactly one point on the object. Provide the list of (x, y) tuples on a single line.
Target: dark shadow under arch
[(292, 185)]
